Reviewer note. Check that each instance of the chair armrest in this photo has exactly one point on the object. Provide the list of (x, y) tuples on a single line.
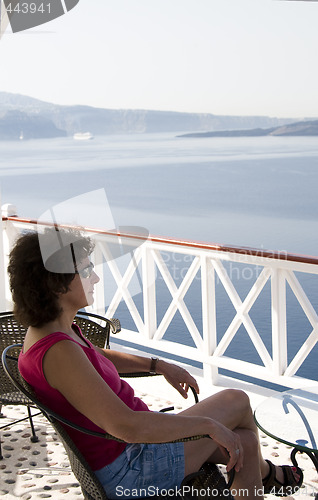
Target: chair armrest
[(148, 374), (97, 328), (52, 416), (114, 323)]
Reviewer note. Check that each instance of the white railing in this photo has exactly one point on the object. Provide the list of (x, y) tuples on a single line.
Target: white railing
[(207, 266)]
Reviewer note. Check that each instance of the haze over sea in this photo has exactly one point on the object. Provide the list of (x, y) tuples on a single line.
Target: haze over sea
[(259, 192)]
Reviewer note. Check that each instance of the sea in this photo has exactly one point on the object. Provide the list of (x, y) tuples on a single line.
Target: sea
[(254, 192)]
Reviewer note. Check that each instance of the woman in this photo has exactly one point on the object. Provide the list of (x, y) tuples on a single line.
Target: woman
[(50, 282)]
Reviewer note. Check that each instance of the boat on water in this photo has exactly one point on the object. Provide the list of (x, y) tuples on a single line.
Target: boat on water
[(83, 136)]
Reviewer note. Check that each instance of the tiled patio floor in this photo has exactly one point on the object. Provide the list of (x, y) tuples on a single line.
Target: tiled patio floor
[(41, 470)]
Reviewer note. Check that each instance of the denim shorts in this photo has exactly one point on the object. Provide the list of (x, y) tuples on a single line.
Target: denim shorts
[(144, 470)]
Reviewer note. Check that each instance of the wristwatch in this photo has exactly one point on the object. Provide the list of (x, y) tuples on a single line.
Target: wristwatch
[(153, 365)]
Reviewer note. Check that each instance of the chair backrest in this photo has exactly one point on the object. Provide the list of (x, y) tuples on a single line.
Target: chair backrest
[(97, 332), (11, 332), (94, 327), (91, 487)]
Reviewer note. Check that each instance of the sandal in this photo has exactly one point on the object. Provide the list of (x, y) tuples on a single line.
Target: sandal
[(288, 487)]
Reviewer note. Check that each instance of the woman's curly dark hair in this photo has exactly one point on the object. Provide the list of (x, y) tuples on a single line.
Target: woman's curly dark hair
[(34, 288)]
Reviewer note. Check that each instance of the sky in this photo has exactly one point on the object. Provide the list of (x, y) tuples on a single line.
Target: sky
[(226, 57)]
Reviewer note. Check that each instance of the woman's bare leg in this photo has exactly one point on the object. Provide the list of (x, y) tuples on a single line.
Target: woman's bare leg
[(232, 409)]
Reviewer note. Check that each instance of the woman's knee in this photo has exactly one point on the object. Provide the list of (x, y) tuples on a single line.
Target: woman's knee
[(236, 397)]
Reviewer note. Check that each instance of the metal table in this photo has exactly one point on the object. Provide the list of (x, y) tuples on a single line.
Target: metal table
[(291, 417)]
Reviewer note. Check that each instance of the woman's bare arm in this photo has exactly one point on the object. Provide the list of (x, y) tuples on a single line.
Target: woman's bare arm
[(178, 377)]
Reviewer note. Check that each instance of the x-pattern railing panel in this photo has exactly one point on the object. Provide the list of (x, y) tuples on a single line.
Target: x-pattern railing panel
[(242, 309), (177, 302), (122, 282), (312, 316)]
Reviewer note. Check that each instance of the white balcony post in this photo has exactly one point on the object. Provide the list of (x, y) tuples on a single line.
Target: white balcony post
[(210, 372), (149, 291), (9, 232), (99, 302), (279, 323), (2, 269)]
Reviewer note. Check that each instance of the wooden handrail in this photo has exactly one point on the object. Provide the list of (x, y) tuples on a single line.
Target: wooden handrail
[(254, 252)]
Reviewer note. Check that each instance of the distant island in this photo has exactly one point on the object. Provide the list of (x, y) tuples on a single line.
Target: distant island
[(23, 117), (16, 124), (303, 128)]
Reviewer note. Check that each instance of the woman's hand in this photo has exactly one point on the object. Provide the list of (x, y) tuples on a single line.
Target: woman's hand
[(178, 377), (230, 444)]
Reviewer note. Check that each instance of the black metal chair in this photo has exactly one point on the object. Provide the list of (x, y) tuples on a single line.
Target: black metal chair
[(11, 331), (97, 328), (209, 476), (94, 327)]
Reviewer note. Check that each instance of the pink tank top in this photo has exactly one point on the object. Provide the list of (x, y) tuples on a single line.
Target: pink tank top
[(97, 451)]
